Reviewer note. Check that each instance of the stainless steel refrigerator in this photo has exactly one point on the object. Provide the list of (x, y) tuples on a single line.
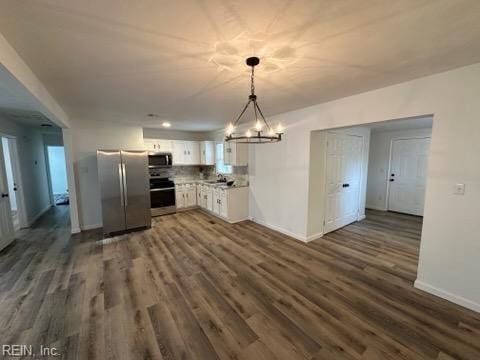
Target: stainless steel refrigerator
[(125, 190)]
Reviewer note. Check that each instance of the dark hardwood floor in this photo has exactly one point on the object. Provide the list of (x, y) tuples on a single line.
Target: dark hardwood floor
[(195, 287)]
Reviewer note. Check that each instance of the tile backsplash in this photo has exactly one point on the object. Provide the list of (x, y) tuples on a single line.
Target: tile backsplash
[(191, 172)]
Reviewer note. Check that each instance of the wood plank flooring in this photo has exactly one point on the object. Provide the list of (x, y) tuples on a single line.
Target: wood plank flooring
[(195, 287)]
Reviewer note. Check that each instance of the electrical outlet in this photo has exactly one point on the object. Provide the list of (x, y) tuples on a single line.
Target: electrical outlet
[(459, 189)]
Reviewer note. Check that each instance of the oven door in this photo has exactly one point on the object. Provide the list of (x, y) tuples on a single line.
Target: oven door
[(163, 201)]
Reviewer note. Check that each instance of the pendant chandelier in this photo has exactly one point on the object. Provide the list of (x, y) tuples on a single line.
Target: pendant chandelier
[(261, 132)]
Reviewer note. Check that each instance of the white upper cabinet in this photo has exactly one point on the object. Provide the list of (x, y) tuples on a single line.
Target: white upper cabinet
[(186, 152), (179, 152), (157, 145), (207, 153), (193, 152), (235, 154)]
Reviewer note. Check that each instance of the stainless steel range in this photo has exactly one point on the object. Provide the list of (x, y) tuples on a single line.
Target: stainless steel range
[(162, 196)]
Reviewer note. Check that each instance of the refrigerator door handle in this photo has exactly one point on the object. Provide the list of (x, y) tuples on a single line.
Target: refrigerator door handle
[(125, 192), (120, 178)]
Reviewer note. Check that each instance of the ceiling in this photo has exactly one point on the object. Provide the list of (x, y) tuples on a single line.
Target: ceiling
[(183, 60), (12, 94), (28, 118)]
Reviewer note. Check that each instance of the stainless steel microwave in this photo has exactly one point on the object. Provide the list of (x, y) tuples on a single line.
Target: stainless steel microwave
[(160, 160)]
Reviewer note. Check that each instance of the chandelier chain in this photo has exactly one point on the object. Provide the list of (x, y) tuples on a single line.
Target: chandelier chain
[(252, 81)]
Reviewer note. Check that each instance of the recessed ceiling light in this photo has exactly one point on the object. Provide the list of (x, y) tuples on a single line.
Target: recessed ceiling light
[(166, 124)]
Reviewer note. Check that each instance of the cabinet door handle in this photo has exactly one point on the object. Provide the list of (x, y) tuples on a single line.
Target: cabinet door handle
[(392, 180), (345, 185)]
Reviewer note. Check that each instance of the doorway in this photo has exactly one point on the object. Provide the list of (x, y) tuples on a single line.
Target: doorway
[(380, 166), (13, 184), (57, 174), (343, 179), (408, 175)]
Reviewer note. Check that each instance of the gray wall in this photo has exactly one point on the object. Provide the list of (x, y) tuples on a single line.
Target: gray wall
[(32, 167), (379, 164)]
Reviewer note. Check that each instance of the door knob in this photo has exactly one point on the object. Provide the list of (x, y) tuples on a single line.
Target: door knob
[(4, 195)]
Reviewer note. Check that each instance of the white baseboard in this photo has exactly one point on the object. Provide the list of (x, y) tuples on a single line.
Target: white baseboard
[(36, 217), (280, 230), (374, 207), (76, 230), (91, 227), (447, 296), (237, 220), (314, 236)]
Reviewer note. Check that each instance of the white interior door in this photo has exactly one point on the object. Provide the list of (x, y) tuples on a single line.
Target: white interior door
[(343, 179), (408, 173), (7, 233)]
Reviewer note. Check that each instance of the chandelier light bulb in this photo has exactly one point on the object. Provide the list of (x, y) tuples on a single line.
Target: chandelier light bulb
[(271, 132), (258, 125), (248, 133), (279, 128), (230, 129)]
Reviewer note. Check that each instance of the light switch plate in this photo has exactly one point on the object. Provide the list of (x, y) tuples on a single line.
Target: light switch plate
[(459, 189)]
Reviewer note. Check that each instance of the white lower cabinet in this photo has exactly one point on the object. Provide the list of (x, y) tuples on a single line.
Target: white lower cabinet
[(209, 198), (185, 195), (223, 202), (216, 201), (179, 197), (202, 194), (231, 204), (199, 195), (191, 195)]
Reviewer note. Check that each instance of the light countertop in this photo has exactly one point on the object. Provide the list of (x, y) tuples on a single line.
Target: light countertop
[(208, 183)]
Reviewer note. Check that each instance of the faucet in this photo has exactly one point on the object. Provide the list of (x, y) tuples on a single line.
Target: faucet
[(221, 178)]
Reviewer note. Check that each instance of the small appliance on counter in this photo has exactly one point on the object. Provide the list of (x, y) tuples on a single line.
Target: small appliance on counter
[(162, 196)]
